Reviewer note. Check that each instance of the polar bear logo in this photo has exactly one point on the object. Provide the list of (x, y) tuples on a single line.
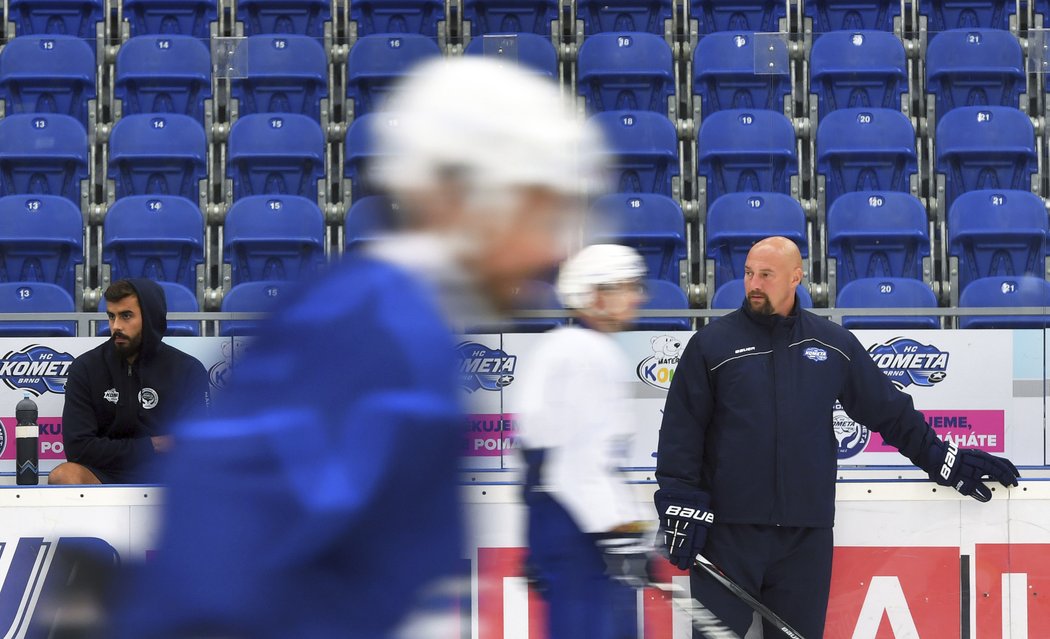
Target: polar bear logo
[(666, 346)]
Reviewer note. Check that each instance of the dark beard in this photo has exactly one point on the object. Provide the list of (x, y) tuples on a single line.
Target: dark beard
[(765, 309), (130, 350)]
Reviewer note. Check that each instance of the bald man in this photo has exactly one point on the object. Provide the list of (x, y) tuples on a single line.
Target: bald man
[(748, 451)]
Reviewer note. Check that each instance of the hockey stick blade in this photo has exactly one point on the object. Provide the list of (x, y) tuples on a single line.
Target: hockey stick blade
[(704, 564)]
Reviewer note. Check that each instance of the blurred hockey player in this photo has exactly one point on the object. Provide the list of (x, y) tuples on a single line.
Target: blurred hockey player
[(586, 551), (319, 500)]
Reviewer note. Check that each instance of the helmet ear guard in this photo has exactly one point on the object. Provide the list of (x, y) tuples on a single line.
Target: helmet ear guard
[(594, 266)]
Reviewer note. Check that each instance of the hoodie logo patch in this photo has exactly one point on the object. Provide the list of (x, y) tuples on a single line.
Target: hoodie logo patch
[(148, 398), (112, 395), (815, 354)]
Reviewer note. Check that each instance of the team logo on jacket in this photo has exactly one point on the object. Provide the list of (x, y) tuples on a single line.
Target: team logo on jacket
[(481, 367), (815, 354), (658, 369), (148, 398), (851, 436), (907, 362), (37, 369), (112, 396)]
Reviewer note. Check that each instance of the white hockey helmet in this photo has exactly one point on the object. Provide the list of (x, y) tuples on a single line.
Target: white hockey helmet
[(597, 265), (489, 123)]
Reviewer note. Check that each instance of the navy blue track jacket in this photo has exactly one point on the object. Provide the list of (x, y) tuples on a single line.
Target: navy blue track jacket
[(748, 416)]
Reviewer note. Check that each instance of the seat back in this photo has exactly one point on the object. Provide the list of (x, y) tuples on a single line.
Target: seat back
[(737, 220), (724, 75), (397, 16), (509, 16), (865, 150), (163, 74), (158, 154), (283, 74), (731, 295), (42, 155), (361, 150), (369, 218), (746, 150), (41, 240), (851, 15), (761, 16), (888, 292), (652, 224), (601, 16), (644, 150), (536, 295), (170, 17), (48, 74), (626, 71), (156, 237), (942, 15), (975, 67), (302, 17), (527, 49), (376, 62), (76, 18), (252, 297), (663, 295), (31, 298), (275, 153), (1018, 291), (273, 237), (858, 69)]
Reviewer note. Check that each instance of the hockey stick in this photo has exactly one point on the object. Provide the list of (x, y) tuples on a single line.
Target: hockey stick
[(767, 614), (703, 620)]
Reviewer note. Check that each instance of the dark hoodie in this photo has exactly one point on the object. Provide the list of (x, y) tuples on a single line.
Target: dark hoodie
[(113, 408)]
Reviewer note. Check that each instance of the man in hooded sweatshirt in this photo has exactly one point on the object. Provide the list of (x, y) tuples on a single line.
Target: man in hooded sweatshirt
[(122, 396)]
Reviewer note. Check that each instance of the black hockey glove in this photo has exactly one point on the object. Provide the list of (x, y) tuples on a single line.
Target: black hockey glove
[(626, 558), (684, 520), (964, 469)]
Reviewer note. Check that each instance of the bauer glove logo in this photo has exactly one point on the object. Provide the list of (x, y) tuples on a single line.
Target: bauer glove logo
[(690, 513), (949, 460)]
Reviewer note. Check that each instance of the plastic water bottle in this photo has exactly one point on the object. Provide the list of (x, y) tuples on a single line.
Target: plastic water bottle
[(27, 437)]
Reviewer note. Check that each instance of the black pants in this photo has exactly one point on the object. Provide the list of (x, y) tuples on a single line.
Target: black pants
[(787, 569)]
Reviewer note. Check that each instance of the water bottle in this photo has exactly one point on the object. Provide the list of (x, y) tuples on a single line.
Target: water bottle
[(27, 436)]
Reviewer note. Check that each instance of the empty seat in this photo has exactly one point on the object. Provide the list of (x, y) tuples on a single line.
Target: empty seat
[(397, 16), (644, 149), (252, 297), (865, 150), (653, 224), (178, 299), (527, 49), (33, 298), (170, 17), (661, 295), (737, 15), (76, 18), (1021, 291), (283, 74), (156, 237), (275, 154), (887, 292), (746, 150), (877, 234), (536, 296), (303, 17), (360, 150), (724, 76), (273, 237), (599, 16), (48, 74), (985, 148), (41, 240), (163, 74), (158, 155), (852, 69), (998, 233), (626, 71), (975, 67), (737, 220), (942, 15), (376, 62), (509, 16), (43, 155), (851, 15), (369, 218), (732, 294)]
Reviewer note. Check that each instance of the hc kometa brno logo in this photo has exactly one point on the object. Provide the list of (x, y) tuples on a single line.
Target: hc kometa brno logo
[(486, 368), (37, 369), (851, 436), (907, 362)]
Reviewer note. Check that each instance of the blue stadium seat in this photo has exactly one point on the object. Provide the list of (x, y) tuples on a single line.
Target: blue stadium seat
[(663, 295), (998, 233), (536, 295), (527, 49), (275, 153), (737, 15), (178, 299), (154, 236), (302, 17), (36, 297), (943, 15), (170, 17), (41, 240), (481, 17), (397, 16), (273, 237), (850, 69), (376, 62), (975, 67), (865, 150), (252, 297), (888, 292), (283, 74), (724, 75), (163, 74), (600, 16), (626, 71), (731, 295), (368, 218), (736, 221), (746, 150), (653, 224), (360, 149), (851, 15), (158, 154), (985, 148), (76, 18), (47, 74), (42, 154), (877, 234), (1005, 291), (645, 149)]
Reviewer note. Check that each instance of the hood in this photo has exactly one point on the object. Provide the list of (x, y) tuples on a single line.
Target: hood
[(154, 314)]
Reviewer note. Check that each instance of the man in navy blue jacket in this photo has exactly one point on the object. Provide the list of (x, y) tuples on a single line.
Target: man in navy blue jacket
[(747, 446)]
